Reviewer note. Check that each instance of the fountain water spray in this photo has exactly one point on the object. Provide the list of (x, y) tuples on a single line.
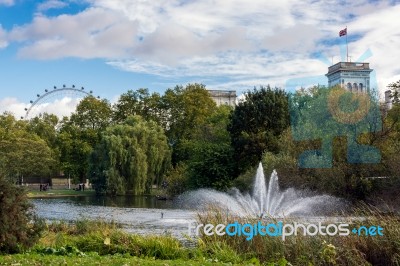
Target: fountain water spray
[(263, 201)]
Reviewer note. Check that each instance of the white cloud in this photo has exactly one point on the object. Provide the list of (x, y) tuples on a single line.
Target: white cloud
[(299, 38), (7, 2), (384, 41), (148, 14), (225, 42), (13, 106), (172, 43), (3, 38), (61, 102), (92, 33), (60, 107), (51, 4), (239, 71), (275, 41), (378, 31)]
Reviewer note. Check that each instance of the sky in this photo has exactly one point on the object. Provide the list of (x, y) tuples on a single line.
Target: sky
[(111, 46)]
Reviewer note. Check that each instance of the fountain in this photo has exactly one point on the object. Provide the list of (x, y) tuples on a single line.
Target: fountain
[(264, 201)]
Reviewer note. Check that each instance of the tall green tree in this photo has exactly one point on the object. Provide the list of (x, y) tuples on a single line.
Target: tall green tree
[(23, 153), (395, 91), (210, 155), (80, 133), (139, 102), (92, 113), (327, 113), (182, 111), (318, 131), (389, 142), (75, 146), (130, 157), (45, 126), (256, 124)]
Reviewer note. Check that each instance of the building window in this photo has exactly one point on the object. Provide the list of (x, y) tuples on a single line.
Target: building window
[(361, 87), (355, 87), (349, 86)]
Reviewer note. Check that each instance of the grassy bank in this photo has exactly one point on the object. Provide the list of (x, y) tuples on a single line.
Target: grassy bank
[(100, 243), (93, 259), (54, 193), (352, 249)]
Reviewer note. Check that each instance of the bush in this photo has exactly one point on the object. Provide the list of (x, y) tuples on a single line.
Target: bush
[(177, 180), (211, 166), (19, 226), (106, 239), (321, 250)]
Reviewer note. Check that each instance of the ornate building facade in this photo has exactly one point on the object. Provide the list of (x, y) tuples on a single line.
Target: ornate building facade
[(353, 76), (222, 97)]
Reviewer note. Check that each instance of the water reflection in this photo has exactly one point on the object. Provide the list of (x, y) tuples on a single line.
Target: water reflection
[(125, 201), (141, 215)]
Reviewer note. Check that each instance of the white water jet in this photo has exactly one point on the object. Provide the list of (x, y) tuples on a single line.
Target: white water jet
[(263, 201)]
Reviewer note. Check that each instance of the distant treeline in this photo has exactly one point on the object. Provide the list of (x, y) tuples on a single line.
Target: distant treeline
[(181, 140)]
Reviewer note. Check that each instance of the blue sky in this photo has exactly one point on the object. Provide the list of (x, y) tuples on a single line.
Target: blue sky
[(111, 46)]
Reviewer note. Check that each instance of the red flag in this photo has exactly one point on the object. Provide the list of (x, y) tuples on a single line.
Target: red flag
[(343, 32)]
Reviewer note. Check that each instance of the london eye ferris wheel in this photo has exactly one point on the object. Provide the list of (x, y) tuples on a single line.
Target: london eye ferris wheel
[(38, 105)]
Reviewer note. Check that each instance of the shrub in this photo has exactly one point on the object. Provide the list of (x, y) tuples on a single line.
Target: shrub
[(177, 180), (19, 226), (313, 250)]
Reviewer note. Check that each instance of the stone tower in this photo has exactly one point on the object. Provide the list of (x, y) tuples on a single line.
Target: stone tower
[(352, 76)]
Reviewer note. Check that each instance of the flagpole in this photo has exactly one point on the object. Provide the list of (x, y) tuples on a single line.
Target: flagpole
[(347, 47)]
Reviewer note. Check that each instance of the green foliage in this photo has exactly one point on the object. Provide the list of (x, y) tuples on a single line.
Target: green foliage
[(176, 180), (209, 156), (313, 250), (19, 227), (104, 243), (324, 114), (211, 165), (131, 157), (63, 251), (75, 146), (92, 113), (183, 109), (256, 124), (395, 90), (191, 121), (343, 179), (186, 108), (104, 239), (23, 153), (45, 126), (180, 111), (80, 133), (26, 157), (93, 258), (138, 102)]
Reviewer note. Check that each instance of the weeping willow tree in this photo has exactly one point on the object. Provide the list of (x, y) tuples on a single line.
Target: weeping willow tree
[(130, 158)]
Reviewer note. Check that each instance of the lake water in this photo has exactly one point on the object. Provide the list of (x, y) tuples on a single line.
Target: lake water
[(138, 214)]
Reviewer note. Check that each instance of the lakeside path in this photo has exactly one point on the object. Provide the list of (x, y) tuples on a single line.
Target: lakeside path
[(56, 193)]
